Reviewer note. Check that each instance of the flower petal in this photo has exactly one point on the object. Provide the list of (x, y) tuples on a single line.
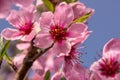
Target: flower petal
[(19, 18), (11, 34), (43, 40), (78, 8), (5, 6), (57, 76), (58, 62), (23, 46), (62, 48), (22, 3), (18, 59), (14, 18), (46, 19), (63, 14), (113, 44), (76, 30), (95, 76), (81, 39), (28, 37), (67, 66)]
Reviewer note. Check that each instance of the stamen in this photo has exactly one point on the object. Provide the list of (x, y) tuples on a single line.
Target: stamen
[(109, 67), (58, 33), (26, 28)]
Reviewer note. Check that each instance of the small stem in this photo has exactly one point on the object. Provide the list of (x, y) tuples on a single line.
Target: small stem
[(13, 66), (42, 52)]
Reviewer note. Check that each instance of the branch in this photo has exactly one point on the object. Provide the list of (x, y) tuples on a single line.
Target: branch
[(29, 59), (27, 63)]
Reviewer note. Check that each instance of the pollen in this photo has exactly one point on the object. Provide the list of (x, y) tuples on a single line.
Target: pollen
[(58, 33)]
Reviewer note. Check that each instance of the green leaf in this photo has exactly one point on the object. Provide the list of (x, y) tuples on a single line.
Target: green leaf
[(70, 1), (63, 78), (83, 18), (8, 58), (4, 49), (47, 75), (1, 43), (118, 70), (49, 5)]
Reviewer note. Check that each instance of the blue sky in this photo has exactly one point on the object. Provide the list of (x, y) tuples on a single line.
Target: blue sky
[(105, 24)]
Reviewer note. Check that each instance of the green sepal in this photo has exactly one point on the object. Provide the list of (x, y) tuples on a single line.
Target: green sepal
[(4, 49), (8, 58), (47, 75), (118, 70), (63, 78), (49, 5), (70, 1), (83, 18)]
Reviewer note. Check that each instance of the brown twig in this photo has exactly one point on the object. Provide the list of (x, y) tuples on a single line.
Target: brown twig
[(29, 59), (27, 63)]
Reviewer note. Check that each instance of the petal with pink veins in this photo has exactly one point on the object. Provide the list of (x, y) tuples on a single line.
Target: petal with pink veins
[(95, 76), (113, 44), (43, 40), (76, 30), (78, 8), (28, 37), (63, 14), (46, 19), (63, 47), (5, 7), (11, 34), (14, 19)]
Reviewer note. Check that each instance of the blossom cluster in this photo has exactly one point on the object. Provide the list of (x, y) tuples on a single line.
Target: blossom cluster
[(48, 36)]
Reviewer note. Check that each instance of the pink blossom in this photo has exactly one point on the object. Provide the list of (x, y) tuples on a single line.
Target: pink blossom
[(80, 9), (39, 2), (23, 46), (57, 76), (5, 6), (82, 38), (73, 64), (78, 72), (23, 22), (72, 59), (36, 77), (113, 45), (22, 3), (108, 66), (94, 76), (55, 27)]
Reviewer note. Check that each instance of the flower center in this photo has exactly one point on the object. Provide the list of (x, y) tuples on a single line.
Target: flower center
[(109, 67), (58, 33), (26, 28), (74, 56)]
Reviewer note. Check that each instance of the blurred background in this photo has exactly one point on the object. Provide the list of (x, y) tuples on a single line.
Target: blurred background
[(105, 24)]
